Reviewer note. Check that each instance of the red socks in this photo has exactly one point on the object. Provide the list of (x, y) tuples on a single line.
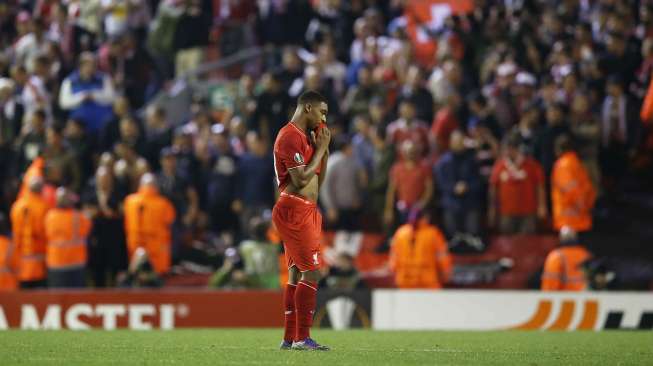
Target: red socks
[(290, 316), (305, 307)]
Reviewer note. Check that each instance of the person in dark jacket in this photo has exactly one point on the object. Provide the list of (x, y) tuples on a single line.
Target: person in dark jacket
[(457, 176)]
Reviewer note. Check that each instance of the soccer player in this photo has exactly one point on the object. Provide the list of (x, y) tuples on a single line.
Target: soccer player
[(300, 153)]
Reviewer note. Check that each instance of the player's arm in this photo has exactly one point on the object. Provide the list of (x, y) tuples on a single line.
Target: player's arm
[(302, 175)]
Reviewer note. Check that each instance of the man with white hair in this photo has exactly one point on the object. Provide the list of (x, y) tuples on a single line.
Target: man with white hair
[(148, 220)]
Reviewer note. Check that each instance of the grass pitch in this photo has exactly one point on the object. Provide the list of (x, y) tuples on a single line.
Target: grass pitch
[(358, 347)]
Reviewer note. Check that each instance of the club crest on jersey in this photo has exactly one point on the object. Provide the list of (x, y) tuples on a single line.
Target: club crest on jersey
[(298, 158)]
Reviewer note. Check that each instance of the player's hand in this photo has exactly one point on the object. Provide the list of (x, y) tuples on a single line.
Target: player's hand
[(323, 138)]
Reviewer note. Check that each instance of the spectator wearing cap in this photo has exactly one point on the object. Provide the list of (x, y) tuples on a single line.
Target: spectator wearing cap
[(517, 194), (87, 94), (254, 180), (181, 193), (460, 184), (102, 201), (66, 231), (619, 128), (410, 185), (343, 192)]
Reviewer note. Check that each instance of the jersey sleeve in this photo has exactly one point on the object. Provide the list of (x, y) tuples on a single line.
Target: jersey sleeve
[(291, 153)]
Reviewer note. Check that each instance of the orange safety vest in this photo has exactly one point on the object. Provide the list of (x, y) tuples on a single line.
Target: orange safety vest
[(148, 216), (35, 169), (28, 225), (66, 230), (420, 258), (572, 194), (562, 270), (9, 263)]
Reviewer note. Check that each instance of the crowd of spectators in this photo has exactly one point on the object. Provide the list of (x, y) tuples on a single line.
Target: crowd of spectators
[(468, 134)]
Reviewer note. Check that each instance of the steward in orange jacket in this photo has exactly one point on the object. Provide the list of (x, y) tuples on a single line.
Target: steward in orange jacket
[(66, 230), (572, 192), (9, 259), (148, 217), (562, 268), (419, 256), (28, 225)]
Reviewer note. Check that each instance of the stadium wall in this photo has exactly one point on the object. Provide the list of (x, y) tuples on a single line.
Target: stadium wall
[(503, 310), (378, 309)]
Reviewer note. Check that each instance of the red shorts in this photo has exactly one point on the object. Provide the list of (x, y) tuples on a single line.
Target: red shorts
[(299, 224)]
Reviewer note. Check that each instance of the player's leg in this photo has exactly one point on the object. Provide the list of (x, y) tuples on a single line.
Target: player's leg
[(305, 299), (290, 315)]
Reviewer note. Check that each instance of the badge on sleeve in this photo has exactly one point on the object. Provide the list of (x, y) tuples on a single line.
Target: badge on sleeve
[(299, 159)]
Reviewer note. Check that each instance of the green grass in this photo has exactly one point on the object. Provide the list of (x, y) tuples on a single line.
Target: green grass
[(259, 347)]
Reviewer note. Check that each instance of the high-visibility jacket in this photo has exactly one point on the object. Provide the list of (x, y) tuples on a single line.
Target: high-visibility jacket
[(148, 216), (66, 231), (28, 225), (419, 257), (9, 263), (572, 194), (562, 270), (35, 169)]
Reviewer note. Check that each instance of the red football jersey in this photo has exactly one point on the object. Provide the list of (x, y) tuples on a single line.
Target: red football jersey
[(292, 149)]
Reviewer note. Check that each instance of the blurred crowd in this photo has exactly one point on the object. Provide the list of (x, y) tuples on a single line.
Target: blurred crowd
[(522, 115)]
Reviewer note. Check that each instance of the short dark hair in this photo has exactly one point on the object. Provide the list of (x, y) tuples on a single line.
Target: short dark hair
[(310, 97)]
